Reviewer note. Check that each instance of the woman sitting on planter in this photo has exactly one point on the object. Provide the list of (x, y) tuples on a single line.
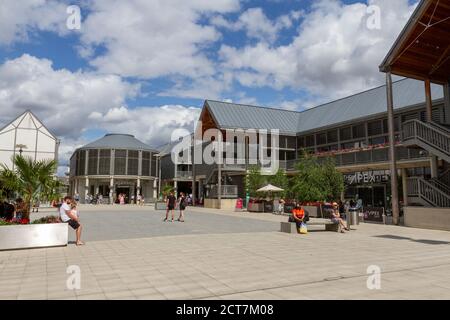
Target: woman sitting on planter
[(298, 214)]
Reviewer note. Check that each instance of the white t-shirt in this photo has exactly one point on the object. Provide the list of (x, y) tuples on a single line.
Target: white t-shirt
[(62, 212)]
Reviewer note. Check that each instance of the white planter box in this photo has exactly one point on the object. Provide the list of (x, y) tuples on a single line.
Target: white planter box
[(33, 236)]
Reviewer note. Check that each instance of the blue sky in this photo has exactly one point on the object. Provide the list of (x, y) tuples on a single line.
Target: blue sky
[(145, 67)]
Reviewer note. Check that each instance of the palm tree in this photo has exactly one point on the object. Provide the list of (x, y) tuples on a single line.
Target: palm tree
[(31, 179)]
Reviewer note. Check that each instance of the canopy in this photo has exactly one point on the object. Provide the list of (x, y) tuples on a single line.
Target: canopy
[(270, 188)]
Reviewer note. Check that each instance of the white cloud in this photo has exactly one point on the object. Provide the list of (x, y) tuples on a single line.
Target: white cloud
[(150, 39), (333, 55), (257, 25), (19, 19), (153, 125), (61, 98)]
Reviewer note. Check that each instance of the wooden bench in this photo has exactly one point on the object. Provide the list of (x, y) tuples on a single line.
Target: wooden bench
[(291, 227)]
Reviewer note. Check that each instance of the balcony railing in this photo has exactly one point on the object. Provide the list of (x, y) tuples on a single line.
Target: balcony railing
[(228, 191), (376, 156), (184, 175)]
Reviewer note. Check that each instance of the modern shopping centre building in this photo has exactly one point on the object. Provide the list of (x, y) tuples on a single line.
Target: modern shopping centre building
[(392, 143), (115, 164)]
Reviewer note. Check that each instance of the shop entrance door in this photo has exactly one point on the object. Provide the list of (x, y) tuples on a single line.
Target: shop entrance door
[(125, 191), (373, 196)]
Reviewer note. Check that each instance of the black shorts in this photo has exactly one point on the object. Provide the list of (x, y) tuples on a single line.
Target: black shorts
[(74, 224), (170, 207)]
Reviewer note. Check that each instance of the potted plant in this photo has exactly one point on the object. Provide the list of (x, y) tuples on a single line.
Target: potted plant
[(30, 180)]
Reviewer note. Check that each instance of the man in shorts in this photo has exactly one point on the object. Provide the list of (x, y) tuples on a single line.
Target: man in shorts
[(66, 215), (171, 201)]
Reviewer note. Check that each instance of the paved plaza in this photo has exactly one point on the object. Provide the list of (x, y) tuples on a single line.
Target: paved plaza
[(131, 254)]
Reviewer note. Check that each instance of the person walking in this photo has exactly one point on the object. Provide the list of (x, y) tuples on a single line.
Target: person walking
[(170, 203), (67, 215), (182, 205)]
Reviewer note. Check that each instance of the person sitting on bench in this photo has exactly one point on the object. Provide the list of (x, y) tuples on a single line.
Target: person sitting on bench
[(299, 216), (336, 217)]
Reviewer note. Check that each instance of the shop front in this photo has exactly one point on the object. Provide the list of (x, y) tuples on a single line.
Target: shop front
[(371, 187)]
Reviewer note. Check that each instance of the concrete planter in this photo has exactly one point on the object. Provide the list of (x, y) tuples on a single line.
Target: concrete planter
[(160, 206), (255, 207), (33, 236)]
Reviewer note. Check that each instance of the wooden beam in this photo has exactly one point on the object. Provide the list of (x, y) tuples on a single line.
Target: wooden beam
[(392, 158)]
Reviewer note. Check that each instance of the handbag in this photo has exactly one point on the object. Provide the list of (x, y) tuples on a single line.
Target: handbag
[(303, 229)]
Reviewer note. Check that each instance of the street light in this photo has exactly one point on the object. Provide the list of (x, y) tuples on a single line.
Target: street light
[(21, 147)]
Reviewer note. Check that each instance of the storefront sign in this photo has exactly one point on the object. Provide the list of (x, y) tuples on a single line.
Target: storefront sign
[(373, 214), (368, 177)]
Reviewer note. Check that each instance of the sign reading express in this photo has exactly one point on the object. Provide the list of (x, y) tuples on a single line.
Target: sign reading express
[(374, 214), (368, 177)]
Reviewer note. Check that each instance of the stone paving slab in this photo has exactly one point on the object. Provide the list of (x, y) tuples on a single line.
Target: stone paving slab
[(253, 265)]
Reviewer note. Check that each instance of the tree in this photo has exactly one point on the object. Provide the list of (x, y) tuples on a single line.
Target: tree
[(280, 180), (317, 181), (254, 180), (333, 180), (307, 183), (167, 188), (30, 179)]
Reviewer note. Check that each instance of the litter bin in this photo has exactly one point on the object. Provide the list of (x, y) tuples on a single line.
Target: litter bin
[(353, 216)]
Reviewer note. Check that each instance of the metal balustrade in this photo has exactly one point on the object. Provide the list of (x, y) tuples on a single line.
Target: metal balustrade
[(427, 191), (428, 135), (228, 191)]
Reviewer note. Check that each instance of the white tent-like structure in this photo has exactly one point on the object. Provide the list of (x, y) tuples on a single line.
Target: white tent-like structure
[(28, 136)]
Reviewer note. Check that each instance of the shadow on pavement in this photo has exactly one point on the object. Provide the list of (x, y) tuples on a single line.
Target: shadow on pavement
[(424, 241)]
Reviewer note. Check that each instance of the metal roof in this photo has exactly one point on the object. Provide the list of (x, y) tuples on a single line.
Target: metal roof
[(238, 116), (118, 141), (407, 93)]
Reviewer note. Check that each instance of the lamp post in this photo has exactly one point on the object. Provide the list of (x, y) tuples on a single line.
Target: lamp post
[(20, 147)]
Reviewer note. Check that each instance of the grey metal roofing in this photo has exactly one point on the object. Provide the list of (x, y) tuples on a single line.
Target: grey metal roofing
[(118, 141), (407, 93), (230, 115)]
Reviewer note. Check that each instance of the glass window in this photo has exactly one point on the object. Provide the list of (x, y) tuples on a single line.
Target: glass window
[(321, 138), (375, 128), (154, 166), (332, 136), (133, 163), (301, 142), (146, 163), (93, 162), (359, 131), (120, 160), (104, 162), (346, 133), (378, 140), (310, 141)]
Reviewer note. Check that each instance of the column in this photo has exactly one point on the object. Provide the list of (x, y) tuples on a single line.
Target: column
[(194, 178), (405, 186), (86, 189), (111, 190), (138, 187), (447, 103), (155, 191), (429, 109), (392, 158), (175, 186), (219, 185)]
